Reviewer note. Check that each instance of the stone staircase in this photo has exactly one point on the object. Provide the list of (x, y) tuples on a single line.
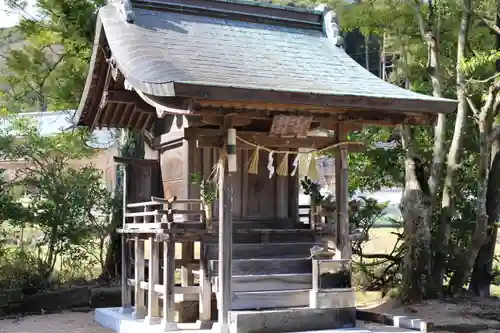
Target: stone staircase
[(272, 281), (267, 275)]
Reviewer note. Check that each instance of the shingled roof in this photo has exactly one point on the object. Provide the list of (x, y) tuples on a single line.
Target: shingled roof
[(222, 50)]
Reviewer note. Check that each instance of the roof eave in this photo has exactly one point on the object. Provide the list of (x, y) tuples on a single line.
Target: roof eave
[(403, 105), (90, 75)]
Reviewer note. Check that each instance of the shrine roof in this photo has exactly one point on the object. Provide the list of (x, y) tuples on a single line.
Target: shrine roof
[(226, 50)]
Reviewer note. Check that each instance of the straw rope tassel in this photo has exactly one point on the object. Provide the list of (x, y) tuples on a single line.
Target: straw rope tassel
[(216, 168), (312, 171), (283, 167), (303, 165), (253, 163)]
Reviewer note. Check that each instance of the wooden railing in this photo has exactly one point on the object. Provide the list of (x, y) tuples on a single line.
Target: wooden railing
[(158, 259), (159, 213), (152, 255)]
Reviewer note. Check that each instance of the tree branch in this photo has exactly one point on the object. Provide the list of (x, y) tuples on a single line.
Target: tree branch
[(474, 109), (485, 80)]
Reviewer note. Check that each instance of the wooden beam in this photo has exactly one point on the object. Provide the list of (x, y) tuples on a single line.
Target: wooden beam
[(374, 104), (342, 195), (140, 307), (153, 310), (129, 97), (205, 296), (139, 162), (169, 285), (125, 114), (132, 118), (219, 120), (125, 290), (212, 138), (225, 243), (102, 86), (267, 111), (215, 137)]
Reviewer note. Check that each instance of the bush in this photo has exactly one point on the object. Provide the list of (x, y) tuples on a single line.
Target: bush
[(18, 270)]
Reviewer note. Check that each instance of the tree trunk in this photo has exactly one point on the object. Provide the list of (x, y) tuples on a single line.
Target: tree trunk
[(448, 198), (417, 235), (131, 145), (429, 36), (482, 273), (417, 205), (479, 236)]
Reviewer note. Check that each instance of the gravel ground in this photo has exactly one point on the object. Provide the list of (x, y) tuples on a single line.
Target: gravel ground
[(66, 322)]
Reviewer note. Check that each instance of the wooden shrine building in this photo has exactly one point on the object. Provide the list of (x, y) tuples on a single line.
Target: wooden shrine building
[(232, 89)]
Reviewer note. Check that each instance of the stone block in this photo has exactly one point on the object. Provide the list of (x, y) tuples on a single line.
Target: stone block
[(332, 299), (291, 320)]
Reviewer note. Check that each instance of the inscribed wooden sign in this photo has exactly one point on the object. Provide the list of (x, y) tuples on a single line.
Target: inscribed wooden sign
[(290, 126)]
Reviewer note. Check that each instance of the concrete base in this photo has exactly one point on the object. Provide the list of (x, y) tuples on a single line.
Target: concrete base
[(269, 321), (114, 319), (291, 320)]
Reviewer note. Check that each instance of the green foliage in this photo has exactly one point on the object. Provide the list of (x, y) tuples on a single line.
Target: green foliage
[(17, 270), (312, 189), (481, 63), (208, 187), (394, 24), (49, 70), (375, 271), (68, 205)]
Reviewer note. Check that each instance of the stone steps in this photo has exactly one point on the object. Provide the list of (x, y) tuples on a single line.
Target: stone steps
[(269, 299), (265, 266), (263, 250), (268, 282), (298, 319)]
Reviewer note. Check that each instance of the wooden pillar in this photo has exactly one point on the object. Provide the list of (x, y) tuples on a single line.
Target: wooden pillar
[(125, 290), (140, 307), (169, 323), (153, 279), (205, 299), (225, 242), (342, 196), (187, 278)]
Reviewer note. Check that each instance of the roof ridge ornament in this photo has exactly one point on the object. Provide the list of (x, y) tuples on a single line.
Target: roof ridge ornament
[(331, 26), (125, 7)]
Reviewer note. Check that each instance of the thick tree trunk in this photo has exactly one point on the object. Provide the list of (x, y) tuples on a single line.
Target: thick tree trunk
[(448, 198), (417, 235), (417, 205), (480, 232), (482, 273)]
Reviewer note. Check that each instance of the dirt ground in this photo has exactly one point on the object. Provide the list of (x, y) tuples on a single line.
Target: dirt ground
[(66, 322), (465, 315)]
